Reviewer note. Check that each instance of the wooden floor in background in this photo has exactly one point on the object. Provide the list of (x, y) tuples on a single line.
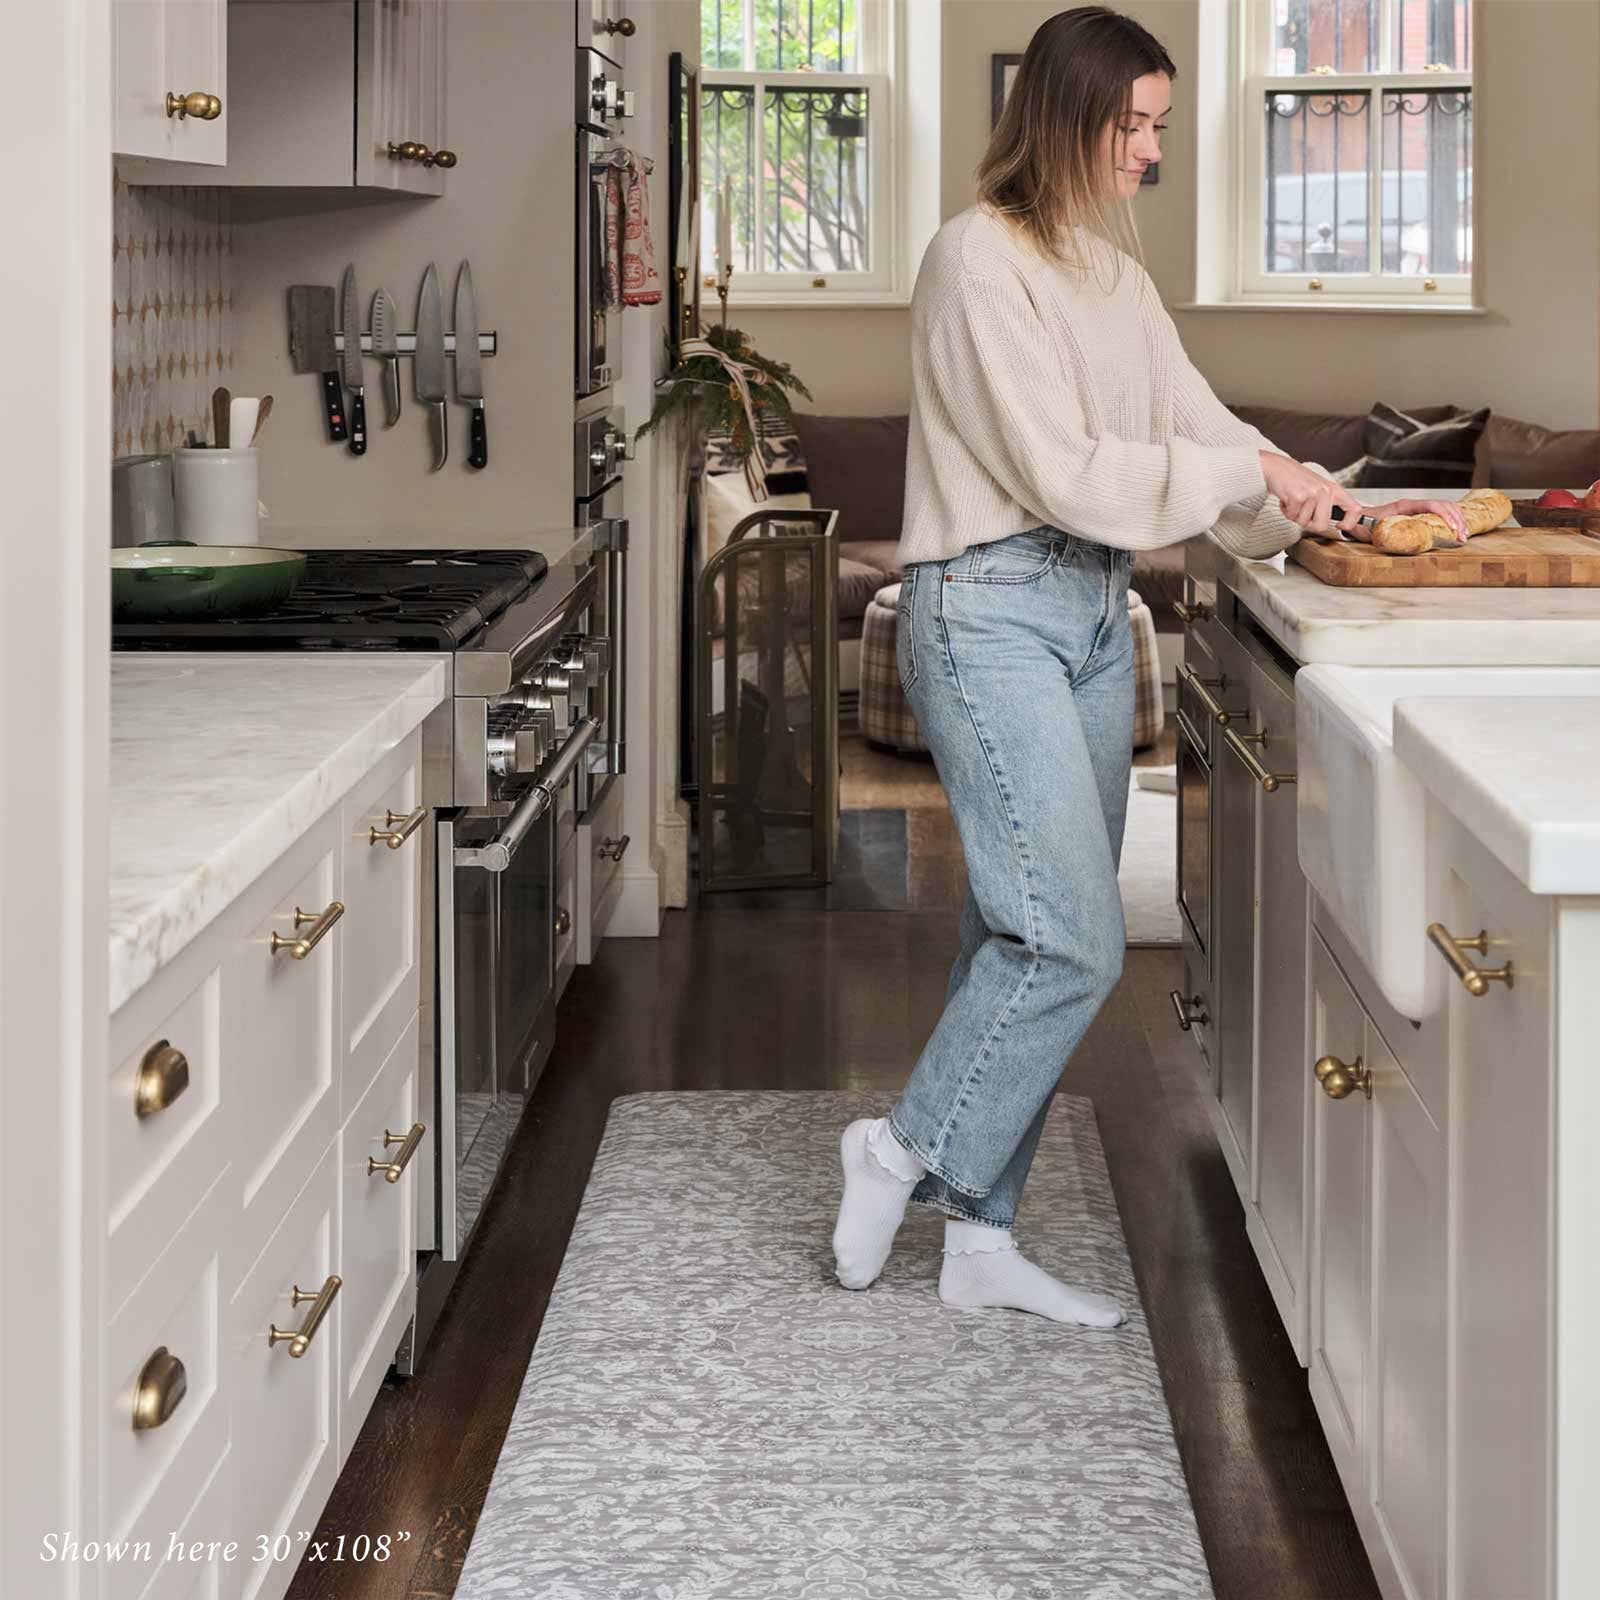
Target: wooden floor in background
[(846, 1000)]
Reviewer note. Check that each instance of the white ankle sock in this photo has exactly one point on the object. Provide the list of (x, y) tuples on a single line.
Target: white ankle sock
[(879, 1175), (983, 1267)]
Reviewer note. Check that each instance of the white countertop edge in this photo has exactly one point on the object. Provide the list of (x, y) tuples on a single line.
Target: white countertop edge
[(139, 949)]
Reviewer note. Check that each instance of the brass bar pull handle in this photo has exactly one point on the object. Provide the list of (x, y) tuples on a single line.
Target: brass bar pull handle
[(1187, 614), (163, 1076), (1181, 1004), (392, 835), (1474, 979), (320, 922), (612, 849), (1240, 744), (408, 1143), (1197, 686), (1339, 1079), (162, 1385), (321, 1299)]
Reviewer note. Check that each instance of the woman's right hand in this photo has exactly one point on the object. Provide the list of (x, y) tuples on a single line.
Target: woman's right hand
[(1306, 496)]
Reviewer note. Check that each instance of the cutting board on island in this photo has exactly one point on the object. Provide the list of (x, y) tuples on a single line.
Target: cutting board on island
[(1509, 558)]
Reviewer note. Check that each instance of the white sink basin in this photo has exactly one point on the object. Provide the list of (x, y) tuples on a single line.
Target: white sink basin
[(1361, 811)]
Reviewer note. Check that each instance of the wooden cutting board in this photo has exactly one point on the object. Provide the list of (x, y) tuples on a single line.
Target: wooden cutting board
[(1511, 558)]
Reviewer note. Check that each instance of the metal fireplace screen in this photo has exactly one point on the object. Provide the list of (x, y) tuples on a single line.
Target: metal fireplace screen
[(767, 648)]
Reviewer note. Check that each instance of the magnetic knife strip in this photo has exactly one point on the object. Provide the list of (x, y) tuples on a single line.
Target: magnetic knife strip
[(406, 343)]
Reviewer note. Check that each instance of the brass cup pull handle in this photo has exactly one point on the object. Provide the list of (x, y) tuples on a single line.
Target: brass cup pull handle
[(1339, 1079), (163, 1076), (397, 829), (320, 922), (205, 107), (1240, 744), (321, 1299), (162, 1385), (1198, 686), (1187, 614), (408, 1143), (613, 849), (1181, 1004), (1474, 979), (563, 921)]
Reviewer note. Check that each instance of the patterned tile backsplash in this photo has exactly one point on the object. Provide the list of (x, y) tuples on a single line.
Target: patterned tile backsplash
[(172, 312)]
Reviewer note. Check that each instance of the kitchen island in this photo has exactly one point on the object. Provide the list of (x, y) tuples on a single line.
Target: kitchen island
[(1387, 875)]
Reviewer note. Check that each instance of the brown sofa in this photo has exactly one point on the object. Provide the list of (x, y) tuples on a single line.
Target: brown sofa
[(856, 465)]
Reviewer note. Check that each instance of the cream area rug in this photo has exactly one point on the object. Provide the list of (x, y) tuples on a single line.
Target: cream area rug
[(1148, 876), (708, 1416)]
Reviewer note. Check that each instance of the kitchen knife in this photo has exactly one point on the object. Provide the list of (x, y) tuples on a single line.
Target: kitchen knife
[(311, 347), (354, 378), (428, 367), (386, 345), (1336, 514), (469, 365)]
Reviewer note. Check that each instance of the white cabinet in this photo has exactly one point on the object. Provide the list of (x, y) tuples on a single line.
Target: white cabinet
[(606, 26), (601, 845), (332, 94), (168, 56)]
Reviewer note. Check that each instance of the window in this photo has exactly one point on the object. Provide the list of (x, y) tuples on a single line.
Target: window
[(797, 116), (1355, 124)]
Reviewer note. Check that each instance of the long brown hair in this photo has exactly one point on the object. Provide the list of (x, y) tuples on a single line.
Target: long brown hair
[(1043, 168)]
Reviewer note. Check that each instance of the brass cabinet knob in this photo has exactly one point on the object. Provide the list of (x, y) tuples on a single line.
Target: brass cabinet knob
[(623, 25), (162, 1385), (1474, 979), (320, 922), (440, 158), (1181, 1003), (163, 1076), (1340, 1080), (397, 829), (408, 1143), (206, 107), (563, 921), (409, 150), (300, 1338)]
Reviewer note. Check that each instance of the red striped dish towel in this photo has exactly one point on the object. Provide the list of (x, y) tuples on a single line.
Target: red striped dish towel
[(631, 276)]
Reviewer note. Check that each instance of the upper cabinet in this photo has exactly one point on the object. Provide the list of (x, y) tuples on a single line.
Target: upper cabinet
[(328, 94), (606, 26), (170, 69)]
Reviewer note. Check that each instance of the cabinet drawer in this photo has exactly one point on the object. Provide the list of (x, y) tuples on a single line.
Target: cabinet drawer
[(153, 1475), (381, 929), (1197, 1004), (283, 1406), (166, 1134), (279, 1035), (601, 846), (200, 1571), (377, 1246)]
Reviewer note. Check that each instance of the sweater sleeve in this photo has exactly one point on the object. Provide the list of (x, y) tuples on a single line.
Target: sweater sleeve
[(1016, 406), (1254, 527)]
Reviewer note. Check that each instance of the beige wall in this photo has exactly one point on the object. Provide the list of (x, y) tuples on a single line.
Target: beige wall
[(1536, 355)]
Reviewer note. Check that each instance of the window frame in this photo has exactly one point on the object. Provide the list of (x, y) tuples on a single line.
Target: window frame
[(881, 26), (1253, 81)]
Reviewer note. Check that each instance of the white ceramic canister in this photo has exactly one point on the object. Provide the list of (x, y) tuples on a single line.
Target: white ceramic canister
[(216, 493)]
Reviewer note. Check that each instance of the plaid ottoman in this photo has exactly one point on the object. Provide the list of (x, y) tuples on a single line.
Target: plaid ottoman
[(886, 716)]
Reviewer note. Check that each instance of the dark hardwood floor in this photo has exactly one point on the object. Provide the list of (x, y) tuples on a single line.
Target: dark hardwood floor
[(807, 999)]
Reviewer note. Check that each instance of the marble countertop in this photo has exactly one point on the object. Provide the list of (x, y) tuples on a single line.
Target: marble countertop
[(219, 762), (1521, 774)]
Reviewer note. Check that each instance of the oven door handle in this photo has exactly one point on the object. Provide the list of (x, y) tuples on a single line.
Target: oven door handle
[(497, 855)]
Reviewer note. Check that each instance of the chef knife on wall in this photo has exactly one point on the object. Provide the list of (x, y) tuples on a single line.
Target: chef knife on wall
[(386, 346), (469, 365), (312, 348), (428, 368), (350, 364)]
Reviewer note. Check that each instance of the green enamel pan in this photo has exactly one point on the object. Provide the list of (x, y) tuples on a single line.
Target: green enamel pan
[(173, 582)]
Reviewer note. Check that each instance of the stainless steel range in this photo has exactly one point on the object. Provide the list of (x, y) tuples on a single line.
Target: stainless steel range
[(526, 745)]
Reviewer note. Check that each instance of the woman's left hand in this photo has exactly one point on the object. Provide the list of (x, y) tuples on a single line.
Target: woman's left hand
[(1448, 509)]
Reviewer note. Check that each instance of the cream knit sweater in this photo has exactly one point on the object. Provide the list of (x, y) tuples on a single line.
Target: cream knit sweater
[(1040, 395)]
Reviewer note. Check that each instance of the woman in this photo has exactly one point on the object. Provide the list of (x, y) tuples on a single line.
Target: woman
[(1056, 428)]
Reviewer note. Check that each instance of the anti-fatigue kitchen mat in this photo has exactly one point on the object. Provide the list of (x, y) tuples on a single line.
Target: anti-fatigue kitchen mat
[(709, 1416)]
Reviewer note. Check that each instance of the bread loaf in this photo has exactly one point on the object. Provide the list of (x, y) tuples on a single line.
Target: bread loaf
[(1484, 509)]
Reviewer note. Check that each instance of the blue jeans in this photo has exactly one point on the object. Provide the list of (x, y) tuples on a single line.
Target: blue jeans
[(1017, 659)]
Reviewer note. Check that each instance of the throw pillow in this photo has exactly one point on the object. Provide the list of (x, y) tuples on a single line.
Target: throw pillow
[(1403, 452), (780, 452), (1522, 455)]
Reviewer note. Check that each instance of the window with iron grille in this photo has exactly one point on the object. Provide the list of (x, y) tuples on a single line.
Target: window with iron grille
[(796, 116), (1355, 125)]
